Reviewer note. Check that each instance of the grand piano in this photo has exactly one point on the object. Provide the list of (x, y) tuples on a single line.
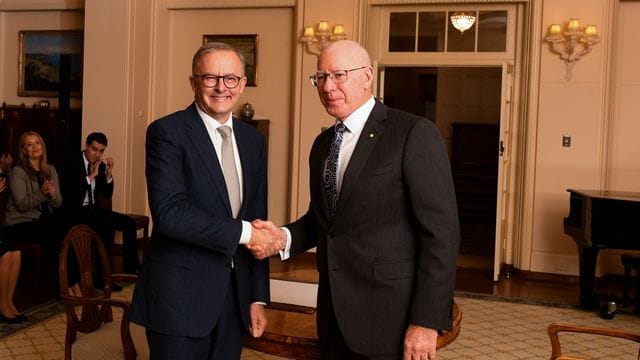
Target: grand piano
[(600, 219)]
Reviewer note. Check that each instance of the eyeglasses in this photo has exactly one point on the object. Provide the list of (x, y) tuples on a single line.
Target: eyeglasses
[(338, 76), (230, 81)]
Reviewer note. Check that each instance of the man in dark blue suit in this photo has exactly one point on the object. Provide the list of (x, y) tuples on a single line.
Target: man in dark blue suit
[(200, 291), (383, 217)]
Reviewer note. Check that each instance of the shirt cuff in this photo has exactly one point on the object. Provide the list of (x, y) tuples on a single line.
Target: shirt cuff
[(245, 237), (286, 253)]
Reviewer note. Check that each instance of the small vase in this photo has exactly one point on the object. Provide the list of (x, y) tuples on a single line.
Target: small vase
[(246, 112)]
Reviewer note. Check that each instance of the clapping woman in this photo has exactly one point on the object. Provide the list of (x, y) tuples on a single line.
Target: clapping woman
[(35, 195)]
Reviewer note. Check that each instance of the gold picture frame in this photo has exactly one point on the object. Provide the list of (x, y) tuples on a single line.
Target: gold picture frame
[(247, 44), (39, 59)]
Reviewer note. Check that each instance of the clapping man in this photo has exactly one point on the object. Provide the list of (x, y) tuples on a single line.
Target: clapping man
[(87, 187)]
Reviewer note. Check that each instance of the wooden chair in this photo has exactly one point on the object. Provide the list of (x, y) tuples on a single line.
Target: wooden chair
[(91, 313), (555, 328)]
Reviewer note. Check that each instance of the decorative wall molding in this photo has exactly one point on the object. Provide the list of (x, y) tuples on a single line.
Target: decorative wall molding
[(52, 5), (227, 4), (457, 2)]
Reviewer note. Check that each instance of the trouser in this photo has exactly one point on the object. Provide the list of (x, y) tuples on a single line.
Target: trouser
[(223, 343)]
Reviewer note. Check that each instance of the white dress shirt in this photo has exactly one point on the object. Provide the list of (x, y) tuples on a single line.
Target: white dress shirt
[(354, 123), (92, 183), (216, 138)]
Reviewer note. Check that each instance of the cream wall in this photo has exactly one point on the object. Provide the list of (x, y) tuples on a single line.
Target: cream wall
[(312, 117), (11, 23), (624, 147), (598, 120), (180, 35)]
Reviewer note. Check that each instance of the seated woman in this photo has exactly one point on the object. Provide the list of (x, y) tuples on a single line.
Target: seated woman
[(35, 194), (9, 271)]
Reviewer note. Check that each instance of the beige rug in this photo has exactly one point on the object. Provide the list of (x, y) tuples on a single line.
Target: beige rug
[(490, 330)]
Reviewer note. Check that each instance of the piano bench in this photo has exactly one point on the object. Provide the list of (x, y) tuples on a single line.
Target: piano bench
[(631, 262)]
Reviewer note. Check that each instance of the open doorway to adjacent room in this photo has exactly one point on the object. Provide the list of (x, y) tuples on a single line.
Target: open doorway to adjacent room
[(464, 103)]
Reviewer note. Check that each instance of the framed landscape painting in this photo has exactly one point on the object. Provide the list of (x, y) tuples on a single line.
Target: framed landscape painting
[(41, 55), (247, 45)]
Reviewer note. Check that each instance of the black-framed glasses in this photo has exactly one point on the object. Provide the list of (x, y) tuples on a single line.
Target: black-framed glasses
[(230, 81), (338, 76)]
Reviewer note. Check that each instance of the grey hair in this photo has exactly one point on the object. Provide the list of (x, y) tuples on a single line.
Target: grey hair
[(211, 47)]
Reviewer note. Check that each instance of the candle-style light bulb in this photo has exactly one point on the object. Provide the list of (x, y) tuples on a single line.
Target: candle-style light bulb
[(590, 30), (574, 25), (323, 26), (555, 29), (338, 30), (308, 32)]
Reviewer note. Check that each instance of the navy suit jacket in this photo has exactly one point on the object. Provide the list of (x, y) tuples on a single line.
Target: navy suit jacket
[(389, 257), (187, 271)]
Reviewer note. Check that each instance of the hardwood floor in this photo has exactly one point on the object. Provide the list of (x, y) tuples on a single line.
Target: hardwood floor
[(475, 277)]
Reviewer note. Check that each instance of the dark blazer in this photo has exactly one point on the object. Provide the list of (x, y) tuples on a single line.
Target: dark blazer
[(75, 186), (187, 270), (389, 257)]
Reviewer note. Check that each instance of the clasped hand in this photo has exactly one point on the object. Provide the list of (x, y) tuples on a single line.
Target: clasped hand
[(266, 239), (48, 189), (95, 167)]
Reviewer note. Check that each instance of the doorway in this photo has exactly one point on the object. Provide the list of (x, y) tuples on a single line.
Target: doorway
[(464, 104)]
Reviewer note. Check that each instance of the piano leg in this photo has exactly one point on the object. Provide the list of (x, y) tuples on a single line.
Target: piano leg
[(588, 257)]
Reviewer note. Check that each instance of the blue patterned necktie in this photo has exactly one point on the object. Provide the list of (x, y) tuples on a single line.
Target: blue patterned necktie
[(330, 175)]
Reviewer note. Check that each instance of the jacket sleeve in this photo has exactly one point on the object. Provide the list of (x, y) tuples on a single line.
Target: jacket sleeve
[(427, 175)]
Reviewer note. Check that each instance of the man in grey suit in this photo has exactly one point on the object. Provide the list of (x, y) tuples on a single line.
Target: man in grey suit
[(200, 291), (383, 217)]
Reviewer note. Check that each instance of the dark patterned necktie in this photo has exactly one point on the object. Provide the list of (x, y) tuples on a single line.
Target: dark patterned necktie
[(331, 170)]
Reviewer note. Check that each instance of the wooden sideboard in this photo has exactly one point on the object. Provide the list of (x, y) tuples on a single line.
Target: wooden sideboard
[(61, 133)]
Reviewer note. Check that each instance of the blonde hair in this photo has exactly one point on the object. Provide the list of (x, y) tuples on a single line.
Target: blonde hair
[(24, 159)]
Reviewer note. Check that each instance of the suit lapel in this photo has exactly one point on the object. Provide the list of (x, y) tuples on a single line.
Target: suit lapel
[(318, 162), (199, 136), (369, 136), (247, 160)]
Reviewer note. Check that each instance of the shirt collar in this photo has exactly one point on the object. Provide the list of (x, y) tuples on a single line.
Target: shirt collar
[(84, 158), (210, 121), (355, 121)]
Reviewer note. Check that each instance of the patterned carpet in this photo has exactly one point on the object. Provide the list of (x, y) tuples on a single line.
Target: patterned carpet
[(35, 316), (491, 329)]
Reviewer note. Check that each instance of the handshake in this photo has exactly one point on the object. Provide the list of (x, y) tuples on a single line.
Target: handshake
[(266, 239)]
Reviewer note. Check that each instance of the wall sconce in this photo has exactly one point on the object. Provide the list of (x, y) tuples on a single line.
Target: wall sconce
[(462, 21), (573, 36), (315, 41)]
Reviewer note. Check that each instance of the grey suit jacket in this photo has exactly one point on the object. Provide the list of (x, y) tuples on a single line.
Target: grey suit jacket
[(187, 271), (389, 257)]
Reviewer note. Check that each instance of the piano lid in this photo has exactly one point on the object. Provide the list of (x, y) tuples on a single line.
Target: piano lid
[(608, 194)]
